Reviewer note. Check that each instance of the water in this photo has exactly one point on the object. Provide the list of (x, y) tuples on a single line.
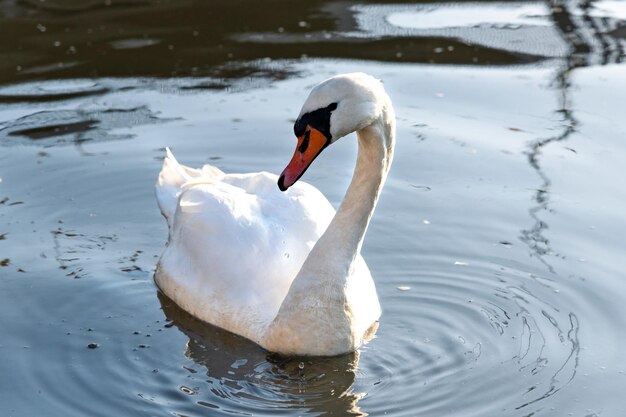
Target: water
[(497, 247)]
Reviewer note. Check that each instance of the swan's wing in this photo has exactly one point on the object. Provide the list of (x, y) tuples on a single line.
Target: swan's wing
[(243, 229), (236, 243), (302, 208), (172, 179)]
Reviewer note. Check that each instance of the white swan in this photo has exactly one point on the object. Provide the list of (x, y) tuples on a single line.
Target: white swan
[(278, 268)]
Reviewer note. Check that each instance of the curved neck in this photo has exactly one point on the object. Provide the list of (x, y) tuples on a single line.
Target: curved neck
[(342, 241), (316, 316)]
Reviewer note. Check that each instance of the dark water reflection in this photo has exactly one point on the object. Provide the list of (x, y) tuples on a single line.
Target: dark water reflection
[(181, 38), (497, 247), (242, 376)]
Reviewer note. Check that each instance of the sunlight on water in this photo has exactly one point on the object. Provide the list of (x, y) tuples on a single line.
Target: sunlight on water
[(608, 8), (497, 246), (437, 16), (523, 28)]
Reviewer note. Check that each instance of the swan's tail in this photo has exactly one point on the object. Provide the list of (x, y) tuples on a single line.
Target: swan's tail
[(174, 178)]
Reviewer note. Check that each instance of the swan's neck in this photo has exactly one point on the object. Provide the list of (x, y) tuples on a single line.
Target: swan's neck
[(316, 313), (341, 243)]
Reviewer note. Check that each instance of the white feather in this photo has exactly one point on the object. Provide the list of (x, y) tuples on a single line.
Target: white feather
[(266, 264)]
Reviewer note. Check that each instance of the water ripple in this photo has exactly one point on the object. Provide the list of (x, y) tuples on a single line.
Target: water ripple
[(472, 322)]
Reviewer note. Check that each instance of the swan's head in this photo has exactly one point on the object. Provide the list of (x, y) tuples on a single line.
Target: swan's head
[(335, 107)]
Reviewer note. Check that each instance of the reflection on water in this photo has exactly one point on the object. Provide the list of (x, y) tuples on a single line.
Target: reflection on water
[(220, 40), (475, 321), (53, 128), (588, 45), (244, 377)]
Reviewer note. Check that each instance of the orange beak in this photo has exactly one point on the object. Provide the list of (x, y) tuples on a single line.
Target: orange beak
[(311, 144)]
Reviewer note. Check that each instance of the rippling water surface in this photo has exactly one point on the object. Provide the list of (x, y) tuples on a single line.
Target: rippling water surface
[(497, 247)]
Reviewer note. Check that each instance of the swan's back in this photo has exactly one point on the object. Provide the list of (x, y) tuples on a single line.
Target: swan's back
[(236, 242)]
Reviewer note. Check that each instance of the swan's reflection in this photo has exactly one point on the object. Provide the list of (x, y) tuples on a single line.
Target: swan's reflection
[(243, 378)]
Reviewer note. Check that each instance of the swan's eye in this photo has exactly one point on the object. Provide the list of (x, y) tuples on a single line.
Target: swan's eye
[(318, 119), (305, 142)]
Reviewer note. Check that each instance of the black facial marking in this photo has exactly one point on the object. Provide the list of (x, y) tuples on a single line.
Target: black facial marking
[(318, 119), (305, 142)]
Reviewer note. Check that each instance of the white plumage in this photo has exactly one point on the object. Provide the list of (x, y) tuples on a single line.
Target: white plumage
[(241, 253)]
